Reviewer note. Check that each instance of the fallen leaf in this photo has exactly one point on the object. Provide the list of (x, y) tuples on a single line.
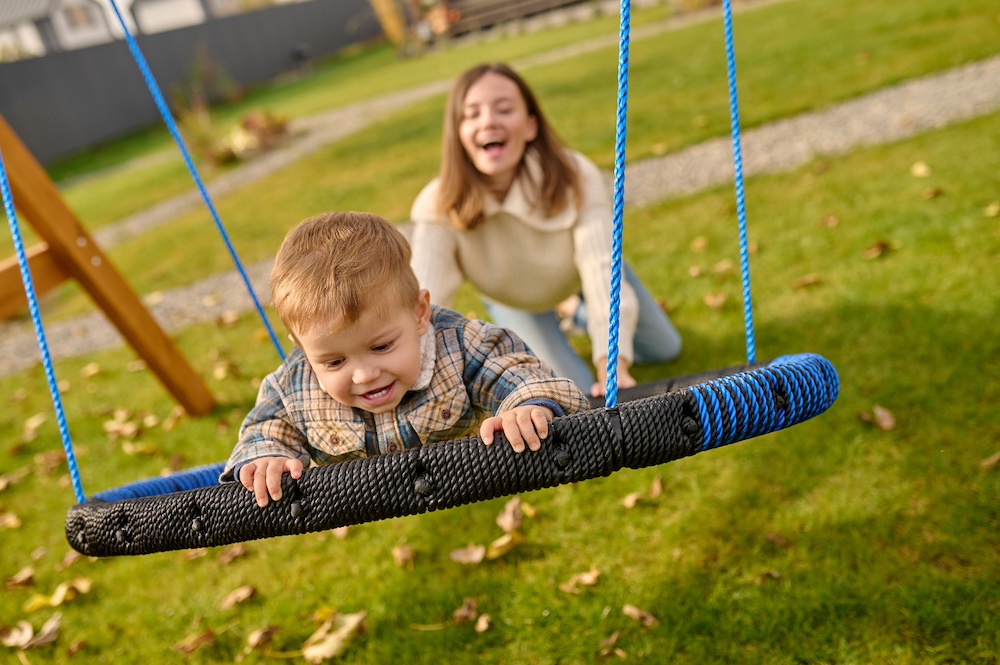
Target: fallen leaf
[(990, 462), (509, 518), (992, 210), (197, 553), (880, 417), (778, 540), (9, 520), (714, 300), (17, 636), (331, 639), (933, 192), (50, 461), (340, 532), (38, 553), (880, 248), (656, 488), (642, 616), (135, 366), (829, 222), (194, 641), (920, 170), (528, 510), (403, 556), (64, 592), (89, 370), (12, 478), (22, 578), (470, 554), (68, 560), (258, 640), (723, 268), (609, 649), (503, 544), (465, 612), (483, 623), (694, 271), (587, 579), (48, 633), (699, 244), (811, 279), (30, 428), (139, 449), (237, 596), (170, 422), (229, 318), (231, 553), (631, 500)]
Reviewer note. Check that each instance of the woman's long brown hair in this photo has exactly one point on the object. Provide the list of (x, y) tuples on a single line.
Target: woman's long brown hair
[(463, 188)]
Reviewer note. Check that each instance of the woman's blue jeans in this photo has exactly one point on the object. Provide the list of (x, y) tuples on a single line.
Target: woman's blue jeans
[(656, 339)]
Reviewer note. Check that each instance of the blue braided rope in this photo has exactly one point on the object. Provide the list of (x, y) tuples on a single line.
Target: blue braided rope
[(734, 121), (202, 476), (36, 321), (741, 406), (161, 105), (611, 384)]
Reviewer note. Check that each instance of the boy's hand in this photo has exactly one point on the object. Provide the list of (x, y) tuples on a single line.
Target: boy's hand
[(263, 476), (522, 425)]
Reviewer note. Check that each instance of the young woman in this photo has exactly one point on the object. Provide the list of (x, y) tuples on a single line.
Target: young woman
[(529, 224)]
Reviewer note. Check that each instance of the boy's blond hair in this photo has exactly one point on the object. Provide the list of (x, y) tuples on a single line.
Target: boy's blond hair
[(335, 266)]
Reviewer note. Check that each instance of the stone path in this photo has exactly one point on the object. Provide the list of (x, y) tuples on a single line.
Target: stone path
[(884, 116)]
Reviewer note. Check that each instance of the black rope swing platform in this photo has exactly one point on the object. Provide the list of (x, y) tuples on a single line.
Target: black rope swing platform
[(658, 423)]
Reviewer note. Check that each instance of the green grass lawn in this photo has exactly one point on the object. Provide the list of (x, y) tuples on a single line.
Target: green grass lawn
[(831, 542)]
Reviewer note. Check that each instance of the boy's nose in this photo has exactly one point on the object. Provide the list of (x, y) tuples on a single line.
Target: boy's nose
[(363, 375)]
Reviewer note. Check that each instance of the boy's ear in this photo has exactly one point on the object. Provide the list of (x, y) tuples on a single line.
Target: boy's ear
[(423, 311)]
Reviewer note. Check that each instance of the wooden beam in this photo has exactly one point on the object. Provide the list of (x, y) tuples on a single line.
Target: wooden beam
[(75, 251), (46, 274)]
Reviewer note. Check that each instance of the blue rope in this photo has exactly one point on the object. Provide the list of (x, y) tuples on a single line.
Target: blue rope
[(196, 478), (611, 385), (161, 104), (36, 320), (734, 121)]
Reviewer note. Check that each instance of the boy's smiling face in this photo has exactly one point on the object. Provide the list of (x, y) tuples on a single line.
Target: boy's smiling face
[(371, 363)]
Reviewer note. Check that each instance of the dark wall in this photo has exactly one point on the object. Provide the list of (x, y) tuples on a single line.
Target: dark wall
[(65, 102)]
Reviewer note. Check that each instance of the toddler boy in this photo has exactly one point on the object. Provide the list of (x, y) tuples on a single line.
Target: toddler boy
[(376, 368)]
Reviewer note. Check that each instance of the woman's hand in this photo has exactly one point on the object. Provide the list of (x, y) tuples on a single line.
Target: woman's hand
[(625, 379), (527, 424)]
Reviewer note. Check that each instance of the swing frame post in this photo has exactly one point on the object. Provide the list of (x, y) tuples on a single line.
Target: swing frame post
[(68, 251)]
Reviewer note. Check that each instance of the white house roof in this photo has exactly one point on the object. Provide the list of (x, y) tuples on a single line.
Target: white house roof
[(13, 12)]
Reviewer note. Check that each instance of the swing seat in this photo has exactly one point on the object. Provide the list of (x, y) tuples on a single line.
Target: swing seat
[(655, 423)]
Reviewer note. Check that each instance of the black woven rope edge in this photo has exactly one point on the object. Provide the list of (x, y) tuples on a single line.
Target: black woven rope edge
[(654, 430)]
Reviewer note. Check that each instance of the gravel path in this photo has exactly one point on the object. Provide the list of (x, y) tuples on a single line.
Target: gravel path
[(887, 115)]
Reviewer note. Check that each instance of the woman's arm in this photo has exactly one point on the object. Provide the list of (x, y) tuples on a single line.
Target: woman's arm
[(434, 247)]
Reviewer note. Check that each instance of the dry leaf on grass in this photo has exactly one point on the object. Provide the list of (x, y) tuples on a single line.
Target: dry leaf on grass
[(503, 544), (68, 560), (340, 532), (9, 520), (63, 593), (920, 170), (631, 500), (197, 553), (699, 244), (232, 553), (880, 417), (714, 300), (587, 579), (829, 222), (23, 637), (13, 478), (656, 488), (30, 428), (992, 210), (471, 554), (331, 639), (880, 248), (22, 579), (509, 518), (258, 640), (237, 596), (609, 649), (990, 462), (465, 612), (811, 279), (89, 370), (403, 556), (642, 616), (483, 623), (194, 641), (778, 540)]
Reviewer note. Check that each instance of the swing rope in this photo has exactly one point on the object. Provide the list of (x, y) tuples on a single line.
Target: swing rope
[(36, 321), (734, 122), (161, 105), (611, 385)]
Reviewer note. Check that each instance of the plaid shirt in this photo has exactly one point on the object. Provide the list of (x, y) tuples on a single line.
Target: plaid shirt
[(469, 370)]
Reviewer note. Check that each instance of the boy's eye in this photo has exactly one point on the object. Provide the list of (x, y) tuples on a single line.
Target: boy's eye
[(380, 348), (333, 364)]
